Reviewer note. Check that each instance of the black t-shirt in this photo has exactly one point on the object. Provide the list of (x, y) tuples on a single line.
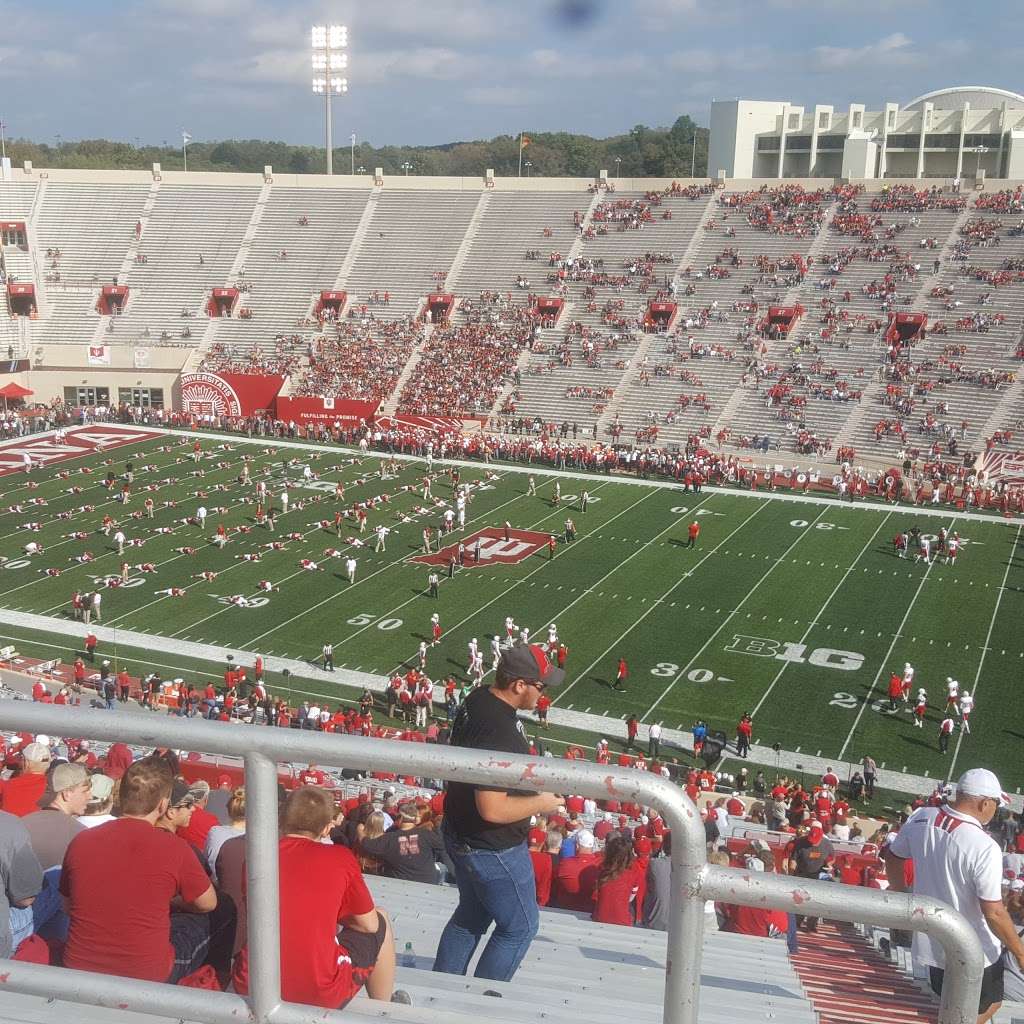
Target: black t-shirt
[(810, 859), (486, 723), (409, 854)]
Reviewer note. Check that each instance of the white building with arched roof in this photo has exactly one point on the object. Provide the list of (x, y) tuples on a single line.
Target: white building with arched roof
[(948, 133)]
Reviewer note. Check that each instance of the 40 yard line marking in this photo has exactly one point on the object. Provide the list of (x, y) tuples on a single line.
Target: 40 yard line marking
[(821, 611), (984, 651), (888, 654), (707, 643), (656, 604)]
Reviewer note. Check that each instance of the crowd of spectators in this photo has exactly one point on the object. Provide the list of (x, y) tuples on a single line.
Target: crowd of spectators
[(282, 359)]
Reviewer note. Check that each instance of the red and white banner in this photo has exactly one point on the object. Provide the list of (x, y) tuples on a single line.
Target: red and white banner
[(229, 394), (1008, 466), (79, 441), (311, 409), (99, 355)]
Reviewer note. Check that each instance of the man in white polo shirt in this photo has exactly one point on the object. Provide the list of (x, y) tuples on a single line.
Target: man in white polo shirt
[(958, 862)]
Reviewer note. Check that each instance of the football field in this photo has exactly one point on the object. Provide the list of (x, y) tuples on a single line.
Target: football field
[(795, 610)]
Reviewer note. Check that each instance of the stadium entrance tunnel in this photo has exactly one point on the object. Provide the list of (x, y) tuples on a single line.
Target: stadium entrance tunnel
[(549, 308), (22, 299), (905, 328), (439, 307), (780, 321), (113, 299), (12, 232), (330, 304), (222, 301), (659, 316)]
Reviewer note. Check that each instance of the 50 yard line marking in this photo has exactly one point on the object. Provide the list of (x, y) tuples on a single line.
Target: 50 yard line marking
[(984, 651), (820, 612), (655, 604), (806, 532), (888, 654), (478, 610)]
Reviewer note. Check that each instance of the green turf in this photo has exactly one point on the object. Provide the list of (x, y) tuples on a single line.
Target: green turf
[(627, 587)]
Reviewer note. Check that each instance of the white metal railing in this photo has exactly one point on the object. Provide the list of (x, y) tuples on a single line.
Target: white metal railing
[(694, 880)]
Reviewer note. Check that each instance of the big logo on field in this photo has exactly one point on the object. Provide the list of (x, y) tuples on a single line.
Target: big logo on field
[(206, 394), (492, 548)]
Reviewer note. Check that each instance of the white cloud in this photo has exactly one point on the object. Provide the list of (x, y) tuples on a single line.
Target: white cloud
[(434, 63), (500, 95), (834, 58), (272, 67)]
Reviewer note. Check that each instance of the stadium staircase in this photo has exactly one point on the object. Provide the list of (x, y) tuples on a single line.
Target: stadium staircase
[(452, 281), (630, 379), (391, 404), (355, 246), (849, 982)]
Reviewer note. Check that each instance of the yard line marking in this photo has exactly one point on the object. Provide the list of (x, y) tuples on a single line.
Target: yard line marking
[(248, 643), (478, 610), (821, 611), (623, 478), (681, 579), (888, 654), (801, 534), (981, 663)]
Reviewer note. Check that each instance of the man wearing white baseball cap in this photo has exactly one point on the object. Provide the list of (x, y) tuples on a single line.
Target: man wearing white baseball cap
[(958, 862)]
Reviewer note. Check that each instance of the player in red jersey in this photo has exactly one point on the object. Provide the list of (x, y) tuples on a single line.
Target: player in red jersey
[(621, 674)]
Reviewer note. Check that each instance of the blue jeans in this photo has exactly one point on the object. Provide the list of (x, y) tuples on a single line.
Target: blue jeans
[(495, 887), (45, 916)]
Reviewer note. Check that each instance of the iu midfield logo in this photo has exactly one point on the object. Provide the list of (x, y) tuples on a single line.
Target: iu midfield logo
[(493, 548)]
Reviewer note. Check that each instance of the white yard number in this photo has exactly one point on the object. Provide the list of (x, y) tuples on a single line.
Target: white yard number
[(679, 510), (17, 563), (364, 619), (700, 675), (801, 523), (844, 700), (664, 668)]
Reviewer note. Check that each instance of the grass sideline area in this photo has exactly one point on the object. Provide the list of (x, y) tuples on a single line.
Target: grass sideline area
[(795, 611)]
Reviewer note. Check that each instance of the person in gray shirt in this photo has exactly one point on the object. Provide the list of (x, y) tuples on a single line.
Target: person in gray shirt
[(22, 879), (659, 888)]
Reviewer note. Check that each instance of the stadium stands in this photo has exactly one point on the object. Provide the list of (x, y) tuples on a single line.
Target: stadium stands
[(845, 259)]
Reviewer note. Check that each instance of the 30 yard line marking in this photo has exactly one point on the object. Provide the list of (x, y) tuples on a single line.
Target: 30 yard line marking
[(655, 604), (888, 654), (988, 638), (801, 534), (821, 611)]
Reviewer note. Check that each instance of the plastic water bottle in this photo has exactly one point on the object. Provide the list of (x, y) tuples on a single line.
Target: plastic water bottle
[(408, 956)]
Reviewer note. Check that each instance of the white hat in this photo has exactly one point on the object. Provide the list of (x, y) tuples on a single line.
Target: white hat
[(45, 740), (585, 839), (949, 679), (982, 782)]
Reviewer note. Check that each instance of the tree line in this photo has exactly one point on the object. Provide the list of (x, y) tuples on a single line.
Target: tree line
[(640, 153)]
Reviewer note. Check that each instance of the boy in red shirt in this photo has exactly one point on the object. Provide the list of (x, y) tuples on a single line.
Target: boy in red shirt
[(543, 867), (333, 939)]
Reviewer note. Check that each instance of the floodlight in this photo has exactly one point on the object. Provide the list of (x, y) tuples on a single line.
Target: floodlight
[(327, 61)]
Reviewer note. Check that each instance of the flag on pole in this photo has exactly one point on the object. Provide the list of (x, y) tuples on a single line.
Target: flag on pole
[(524, 140), (185, 138)]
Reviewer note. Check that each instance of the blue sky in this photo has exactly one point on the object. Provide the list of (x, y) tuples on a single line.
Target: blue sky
[(432, 71)]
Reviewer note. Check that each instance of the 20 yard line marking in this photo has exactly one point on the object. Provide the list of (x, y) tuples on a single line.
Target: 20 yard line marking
[(888, 654), (981, 663), (653, 605), (707, 643), (821, 611)]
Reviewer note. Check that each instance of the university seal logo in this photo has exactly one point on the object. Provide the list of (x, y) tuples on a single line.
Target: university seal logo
[(206, 394)]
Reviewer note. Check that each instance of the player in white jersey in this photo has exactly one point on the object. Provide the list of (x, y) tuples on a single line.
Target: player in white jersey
[(924, 551), (920, 707), (966, 707), (552, 635), (524, 635), (495, 652), (531, 487), (350, 569), (477, 668), (510, 630), (952, 695), (382, 532), (423, 655), (473, 650), (952, 549), (908, 674)]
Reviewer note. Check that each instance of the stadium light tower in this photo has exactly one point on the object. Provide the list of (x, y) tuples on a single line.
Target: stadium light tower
[(329, 59)]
